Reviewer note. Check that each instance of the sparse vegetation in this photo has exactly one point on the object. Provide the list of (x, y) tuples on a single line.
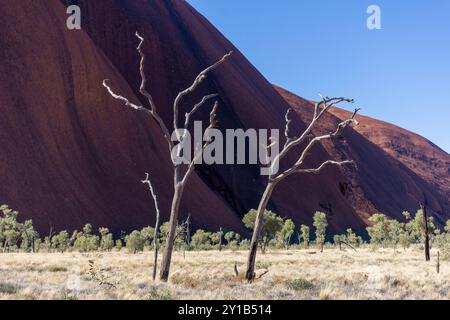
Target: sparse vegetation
[(340, 272), (7, 288), (299, 284)]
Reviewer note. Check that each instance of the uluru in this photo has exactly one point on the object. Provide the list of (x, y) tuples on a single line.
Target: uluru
[(71, 154)]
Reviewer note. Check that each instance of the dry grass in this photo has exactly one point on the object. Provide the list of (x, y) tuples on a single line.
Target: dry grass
[(296, 274)]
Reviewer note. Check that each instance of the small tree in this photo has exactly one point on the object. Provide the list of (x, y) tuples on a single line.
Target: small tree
[(10, 228), (61, 241), (304, 234), (447, 226), (379, 232), (339, 239), (201, 239), (396, 229), (229, 236), (216, 239), (28, 236), (119, 245), (320, 223), (86, 241), (271, 226), (106, 239), (87, 229), (286, 232), (135, 242), (148, 233)]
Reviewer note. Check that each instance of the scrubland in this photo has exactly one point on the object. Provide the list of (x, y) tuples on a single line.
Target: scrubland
[(292, 274)]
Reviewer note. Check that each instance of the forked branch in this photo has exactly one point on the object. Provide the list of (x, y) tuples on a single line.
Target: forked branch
[(296, 167), (198, 80)]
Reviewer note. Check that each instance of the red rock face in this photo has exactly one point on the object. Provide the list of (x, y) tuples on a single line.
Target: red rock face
[(427, 160), (71, 154), (388, 180)]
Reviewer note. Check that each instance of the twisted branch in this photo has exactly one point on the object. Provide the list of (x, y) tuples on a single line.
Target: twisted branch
[(198, 80), (319, 110), (314, 141), (212, 125)]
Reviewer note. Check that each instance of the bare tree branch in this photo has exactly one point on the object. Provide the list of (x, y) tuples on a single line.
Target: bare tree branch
[(286, 130), (323, 165), (327, 104), (155, 235), (196, 107), (314, 141), (198, 80), (152, 111), (197, 155)]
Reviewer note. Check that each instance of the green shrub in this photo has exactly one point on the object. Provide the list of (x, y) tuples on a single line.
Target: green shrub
[(154, 294), (106, 239), (119, 245), (135, 242), (299, 284), (201, 239), (7, 288)]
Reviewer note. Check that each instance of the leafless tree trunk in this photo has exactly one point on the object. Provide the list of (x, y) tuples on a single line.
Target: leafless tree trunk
[(220, 238), (188, 235), (180, 177), (426, 232), (320, 109), (438, 264), (155, 235)]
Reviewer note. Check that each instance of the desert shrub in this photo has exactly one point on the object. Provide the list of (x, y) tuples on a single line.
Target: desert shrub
[(148, 234), (61, 241), (286, 232), (276, 243), (10, 228), (215, 237), (304, 235), (86, 241), (416, 227), (106, 239), (201, 239), (320, 224), (28, 236), (66, 295), (299, 284), (135, 242), (180, 234), (244, 244), (155, 294), (8, 288), (119, 245), (263, 264), (230, 236), (379, 231)]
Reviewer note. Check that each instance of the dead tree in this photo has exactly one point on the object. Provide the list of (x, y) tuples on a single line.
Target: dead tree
[(274, 178), (155, 234), (438, 263), (426, 232), (181, 175), (220, 238)]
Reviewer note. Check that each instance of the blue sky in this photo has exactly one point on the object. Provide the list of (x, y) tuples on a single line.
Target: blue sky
[(400, 73)]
